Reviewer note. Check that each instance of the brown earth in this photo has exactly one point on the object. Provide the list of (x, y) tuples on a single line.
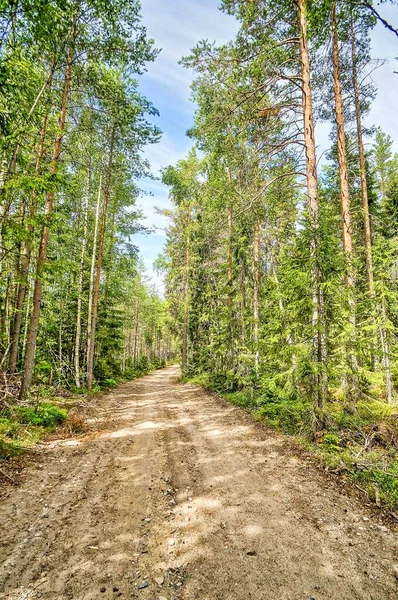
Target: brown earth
[(178, 491)]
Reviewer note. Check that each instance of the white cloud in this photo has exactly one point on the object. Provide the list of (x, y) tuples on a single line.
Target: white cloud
[(168, 151), (176, 26)]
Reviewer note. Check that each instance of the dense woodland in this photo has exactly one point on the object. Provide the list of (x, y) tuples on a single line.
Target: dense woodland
[(74, 305), (281, 265)]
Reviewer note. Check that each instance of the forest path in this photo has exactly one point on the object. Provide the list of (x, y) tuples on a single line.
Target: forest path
[(175, 494)]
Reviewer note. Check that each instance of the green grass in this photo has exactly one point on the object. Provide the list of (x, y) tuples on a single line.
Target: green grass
[(44, 414), (21, 427)]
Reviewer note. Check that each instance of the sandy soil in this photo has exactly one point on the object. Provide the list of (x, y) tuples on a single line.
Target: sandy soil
[(174, 494)]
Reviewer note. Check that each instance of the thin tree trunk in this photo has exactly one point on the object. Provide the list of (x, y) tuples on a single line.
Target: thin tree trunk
[(342, 154), (90, 355), (92, 269), (256, 284), (26, 325), (26, 256), (49, 204), (60, 346), (46, 86), (80, 282), (231, 345), (185, 330), (319, 340), (344, 188), (135, 349), (3, 207), (362, 168), (366, 221)]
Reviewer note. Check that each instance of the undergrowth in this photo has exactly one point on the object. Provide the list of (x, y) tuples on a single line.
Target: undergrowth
[(360, 442), (23, 426)]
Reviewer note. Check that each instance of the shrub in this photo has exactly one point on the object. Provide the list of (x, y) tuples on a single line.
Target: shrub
[(8, 428), (44, 414), (243, 399), (332, 442), (293, 417)]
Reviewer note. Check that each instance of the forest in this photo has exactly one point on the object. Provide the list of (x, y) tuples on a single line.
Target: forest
[(76, 310), (280, 265), (222, 425)]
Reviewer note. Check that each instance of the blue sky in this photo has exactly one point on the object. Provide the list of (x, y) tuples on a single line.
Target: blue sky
[(176, 26)]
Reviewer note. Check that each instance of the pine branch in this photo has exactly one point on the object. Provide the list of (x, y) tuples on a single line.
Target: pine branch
[(386, 24)]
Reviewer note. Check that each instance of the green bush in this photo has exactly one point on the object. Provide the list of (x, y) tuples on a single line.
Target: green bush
[(8, 427), (9, 448), (387, 483), (355, 417), (332, 442), (110, 382), (44, 414), (144, 364), (243, 399), (293, 417)]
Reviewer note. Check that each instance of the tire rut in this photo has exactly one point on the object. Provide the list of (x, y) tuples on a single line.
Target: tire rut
[(174, 493)]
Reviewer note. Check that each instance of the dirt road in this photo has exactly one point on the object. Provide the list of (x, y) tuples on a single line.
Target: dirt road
[(174, 494)]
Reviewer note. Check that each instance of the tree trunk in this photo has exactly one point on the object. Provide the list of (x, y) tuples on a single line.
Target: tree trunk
[(366, 220), (185, 330), (24, 270), (26, 320), (344, 189), (319, 340), (92, 269), (256, 284), (80, 282), (362, 168), (45, 87), (231, 345), (107, 190), (49, 203), (135, 348)]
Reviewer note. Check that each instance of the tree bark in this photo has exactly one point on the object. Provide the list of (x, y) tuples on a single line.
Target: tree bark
[(344, 188), (92, 269), (185, 330), (366, 220), (80, 282), (49, 204), (256, 285), (319, 340), (24, 270), (107, 190), (135, 347), (231, 344), (362, 168)]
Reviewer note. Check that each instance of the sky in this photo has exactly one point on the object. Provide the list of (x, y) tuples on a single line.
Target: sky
[(176, 26)]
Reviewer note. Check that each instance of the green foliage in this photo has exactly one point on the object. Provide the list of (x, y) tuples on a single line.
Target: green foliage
[(332, 442), (43, 414), (386, 483), (23, 426), (292, 417)]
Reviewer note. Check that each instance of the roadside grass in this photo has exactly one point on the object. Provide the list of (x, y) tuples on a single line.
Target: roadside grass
[(361, 441)]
